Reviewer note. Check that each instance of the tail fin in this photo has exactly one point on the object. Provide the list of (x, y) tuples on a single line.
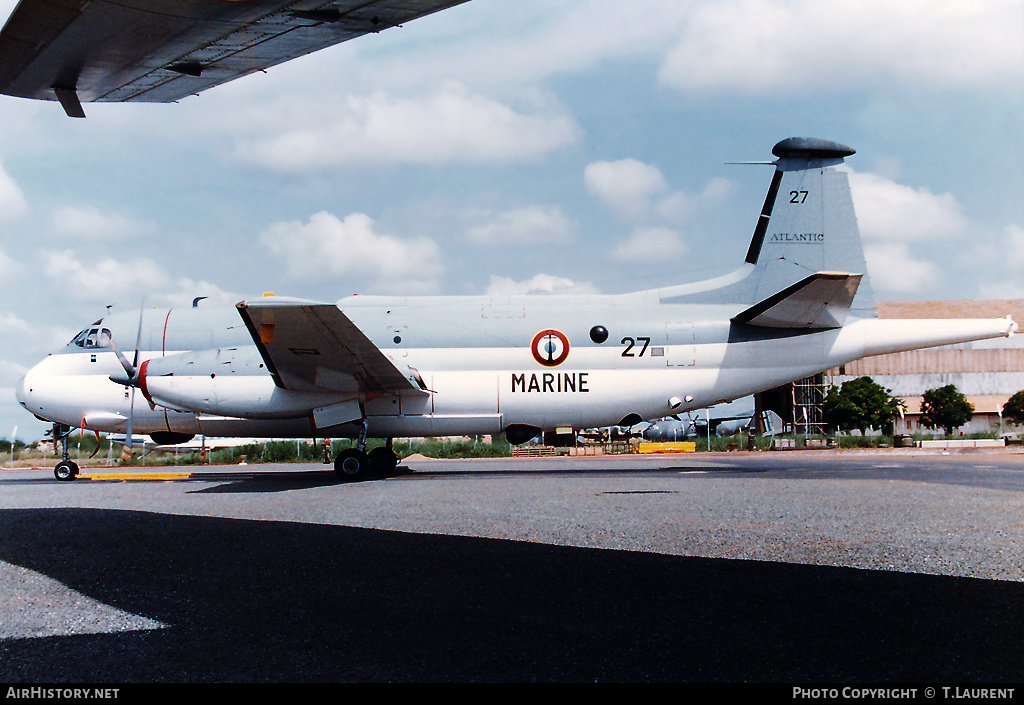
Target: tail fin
[(808, 224), (807, 228)]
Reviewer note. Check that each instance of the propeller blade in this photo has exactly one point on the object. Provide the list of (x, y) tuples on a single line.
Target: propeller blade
[(129, 369), (138, 340), (126, 452), (97, 448), (133, 374)]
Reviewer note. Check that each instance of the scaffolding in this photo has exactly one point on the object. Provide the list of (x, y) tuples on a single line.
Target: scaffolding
[(808, 397)]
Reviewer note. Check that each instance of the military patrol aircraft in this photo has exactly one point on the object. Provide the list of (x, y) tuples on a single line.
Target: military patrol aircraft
[(720, 420), (391, 367), (160, 51)]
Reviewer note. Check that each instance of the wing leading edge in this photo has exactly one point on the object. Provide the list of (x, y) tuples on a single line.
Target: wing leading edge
[(160, 51), (314, 347)]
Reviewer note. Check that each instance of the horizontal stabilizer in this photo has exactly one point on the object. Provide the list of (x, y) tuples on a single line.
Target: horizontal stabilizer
[(821, 300)]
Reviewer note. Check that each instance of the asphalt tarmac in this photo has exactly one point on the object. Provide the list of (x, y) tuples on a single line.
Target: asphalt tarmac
[(785, 567)]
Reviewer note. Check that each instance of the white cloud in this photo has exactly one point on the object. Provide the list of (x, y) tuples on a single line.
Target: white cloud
[(88, 223), (890, 211), (32, 340), (538, 284), (894, 216), (527, 42), (650, 245), (1004, 265), (1001, 290), (1015, 248), (895, 271), (628, 186), (327, 247), (12, 200), (679, 206), (758, 46), (636, 191), (124, 281), (9, 268), (103, 279), (527, 225), (448, 125)]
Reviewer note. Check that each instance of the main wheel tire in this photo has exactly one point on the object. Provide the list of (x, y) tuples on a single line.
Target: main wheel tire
[(383, 461), (65, 471), (352, 464)]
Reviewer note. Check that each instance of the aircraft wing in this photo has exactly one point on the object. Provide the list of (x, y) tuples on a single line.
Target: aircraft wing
[(821, 300), (159, 51), (312, 347)]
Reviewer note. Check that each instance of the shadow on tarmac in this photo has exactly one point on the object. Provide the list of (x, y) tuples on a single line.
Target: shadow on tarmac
[(287, 602)]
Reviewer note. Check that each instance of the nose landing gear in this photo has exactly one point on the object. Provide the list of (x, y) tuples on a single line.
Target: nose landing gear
[(66, 470)]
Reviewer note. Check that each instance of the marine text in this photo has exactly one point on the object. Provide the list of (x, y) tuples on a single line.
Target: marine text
[(551, 382)]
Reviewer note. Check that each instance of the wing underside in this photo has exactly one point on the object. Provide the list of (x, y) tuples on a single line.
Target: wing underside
[(316, 347), (159, 51)]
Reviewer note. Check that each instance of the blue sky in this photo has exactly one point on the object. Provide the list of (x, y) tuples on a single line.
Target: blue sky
[(522, 145)]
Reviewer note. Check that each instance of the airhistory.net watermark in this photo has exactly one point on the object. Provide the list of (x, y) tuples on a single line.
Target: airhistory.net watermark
[(36, 692)]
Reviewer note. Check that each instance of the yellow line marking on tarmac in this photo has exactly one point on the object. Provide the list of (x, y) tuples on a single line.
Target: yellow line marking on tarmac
[(671, 447), (140, 476)]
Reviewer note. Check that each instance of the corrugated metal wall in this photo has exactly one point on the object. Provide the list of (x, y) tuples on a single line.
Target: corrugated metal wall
[(936, 361)]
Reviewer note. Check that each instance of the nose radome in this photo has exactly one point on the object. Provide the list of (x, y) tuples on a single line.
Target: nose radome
[(22, 390), (28, 391)]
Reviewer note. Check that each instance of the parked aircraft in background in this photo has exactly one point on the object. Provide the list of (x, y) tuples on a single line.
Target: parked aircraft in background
[(160, 51), (721, 420), (395, 367)]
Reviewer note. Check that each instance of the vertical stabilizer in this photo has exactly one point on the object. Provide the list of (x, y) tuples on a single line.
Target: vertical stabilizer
[(808, 224), (806, 227)]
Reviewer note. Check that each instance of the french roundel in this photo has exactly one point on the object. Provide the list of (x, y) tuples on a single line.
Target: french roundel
[(550, 347)]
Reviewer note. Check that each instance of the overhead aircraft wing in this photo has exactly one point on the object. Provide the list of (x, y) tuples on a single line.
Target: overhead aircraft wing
[(314, 347), (821, 300), (159, 51)]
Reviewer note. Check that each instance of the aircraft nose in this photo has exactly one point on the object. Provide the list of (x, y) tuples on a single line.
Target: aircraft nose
[(30, 392), (25, 390), (21, 391), (43, 396)]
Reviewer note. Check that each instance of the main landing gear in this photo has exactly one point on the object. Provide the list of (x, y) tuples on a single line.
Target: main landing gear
[(66, 470), (354, 464)]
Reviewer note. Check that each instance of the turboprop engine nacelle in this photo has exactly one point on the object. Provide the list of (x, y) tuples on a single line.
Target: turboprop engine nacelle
[(225, 382)]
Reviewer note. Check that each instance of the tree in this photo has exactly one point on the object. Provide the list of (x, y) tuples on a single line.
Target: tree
[(945, 408), (1013, 409), (861, 403)]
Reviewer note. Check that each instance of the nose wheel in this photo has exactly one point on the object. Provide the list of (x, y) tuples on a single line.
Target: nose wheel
[(66, 470)]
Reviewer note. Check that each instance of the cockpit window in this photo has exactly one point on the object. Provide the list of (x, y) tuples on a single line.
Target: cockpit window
[(93, 339)]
